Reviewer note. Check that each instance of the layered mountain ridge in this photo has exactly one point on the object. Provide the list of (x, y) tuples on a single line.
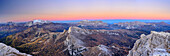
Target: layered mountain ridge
[(92, 23), (160, 26)]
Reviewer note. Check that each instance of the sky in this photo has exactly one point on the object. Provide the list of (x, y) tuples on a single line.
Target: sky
[(53, 10)]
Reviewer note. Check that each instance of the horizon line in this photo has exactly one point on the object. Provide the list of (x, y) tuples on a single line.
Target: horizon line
[(86, 19)]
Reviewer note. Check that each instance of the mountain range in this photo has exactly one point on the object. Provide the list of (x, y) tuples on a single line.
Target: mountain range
[(84, 38)]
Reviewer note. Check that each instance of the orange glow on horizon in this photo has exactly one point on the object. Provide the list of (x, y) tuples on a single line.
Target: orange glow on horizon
[(85, 9)]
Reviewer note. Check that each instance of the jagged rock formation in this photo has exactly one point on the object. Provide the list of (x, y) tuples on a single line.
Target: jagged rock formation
[(154, 44), (9, 51), (75, 41)]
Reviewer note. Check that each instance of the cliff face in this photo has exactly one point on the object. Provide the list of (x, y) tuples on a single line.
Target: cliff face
[(9, 51), (77, 44), (156, 43)]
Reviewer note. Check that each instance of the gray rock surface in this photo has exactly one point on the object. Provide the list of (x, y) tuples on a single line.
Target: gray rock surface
[(154, 44), (76, 46), (9, 51)]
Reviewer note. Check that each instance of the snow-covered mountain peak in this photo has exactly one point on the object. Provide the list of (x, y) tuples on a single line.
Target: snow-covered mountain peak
[(36, 22), (40, 21)]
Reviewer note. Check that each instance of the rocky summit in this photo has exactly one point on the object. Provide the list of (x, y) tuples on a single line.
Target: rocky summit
[(154, 44)]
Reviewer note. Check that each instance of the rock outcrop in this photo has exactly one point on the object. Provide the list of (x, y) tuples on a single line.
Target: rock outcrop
[(154, 44), (9, 51)]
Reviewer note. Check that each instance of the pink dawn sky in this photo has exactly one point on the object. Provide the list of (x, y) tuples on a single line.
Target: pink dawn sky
[(22, 10)]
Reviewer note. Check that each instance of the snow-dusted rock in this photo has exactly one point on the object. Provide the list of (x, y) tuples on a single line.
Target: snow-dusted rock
[(154, 44), (9, 51), (36, 22), (40, 21)]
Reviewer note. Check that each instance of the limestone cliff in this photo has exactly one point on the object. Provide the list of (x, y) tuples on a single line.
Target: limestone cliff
[(156, 43)]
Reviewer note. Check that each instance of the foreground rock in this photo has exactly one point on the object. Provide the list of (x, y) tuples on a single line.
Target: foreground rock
[(9, 51), (154, 44)]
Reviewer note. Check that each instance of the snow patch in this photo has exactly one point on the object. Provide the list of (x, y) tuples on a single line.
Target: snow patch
[(40, 21), (160, 52)]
